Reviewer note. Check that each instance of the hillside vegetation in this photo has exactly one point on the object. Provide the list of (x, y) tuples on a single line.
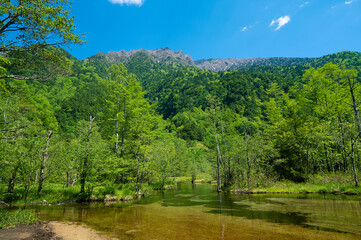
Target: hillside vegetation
[(104, 124), (124, 123)]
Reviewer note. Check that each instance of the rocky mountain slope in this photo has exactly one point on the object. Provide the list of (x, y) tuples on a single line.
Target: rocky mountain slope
[(166, 57), (162, 56), (217, 65)]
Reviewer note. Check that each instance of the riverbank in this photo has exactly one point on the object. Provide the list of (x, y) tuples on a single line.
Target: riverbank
[(197, 212), (301, 188), (51, 230), (58, 194)]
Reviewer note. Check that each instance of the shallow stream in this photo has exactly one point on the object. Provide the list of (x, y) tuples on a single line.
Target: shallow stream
[(198, 212)]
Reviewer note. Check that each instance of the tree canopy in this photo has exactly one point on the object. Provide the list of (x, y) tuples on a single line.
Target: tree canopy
[(100, 123), (29, 31)]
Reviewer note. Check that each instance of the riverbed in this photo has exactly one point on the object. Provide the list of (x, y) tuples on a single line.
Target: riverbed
[(198, 212)]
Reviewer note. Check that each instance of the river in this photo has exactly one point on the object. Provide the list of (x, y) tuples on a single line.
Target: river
[(197, 212)]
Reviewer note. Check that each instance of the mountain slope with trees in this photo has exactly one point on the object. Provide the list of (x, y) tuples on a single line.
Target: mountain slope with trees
[(100, 126)]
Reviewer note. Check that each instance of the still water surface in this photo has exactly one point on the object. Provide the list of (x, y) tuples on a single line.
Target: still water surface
[(198, 212)]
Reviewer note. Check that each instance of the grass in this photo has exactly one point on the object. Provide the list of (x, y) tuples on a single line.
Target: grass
[(204, 178), (291, 187), (51, 193), (12, 218), (183, 179), (117, 191), (54, 193), (318, 183)]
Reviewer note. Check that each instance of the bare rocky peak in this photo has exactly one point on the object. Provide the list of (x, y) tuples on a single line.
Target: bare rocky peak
[(217, 65), (166, 56), (161, 55)]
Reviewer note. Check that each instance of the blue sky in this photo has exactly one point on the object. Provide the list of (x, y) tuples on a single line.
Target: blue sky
[(220, 28)]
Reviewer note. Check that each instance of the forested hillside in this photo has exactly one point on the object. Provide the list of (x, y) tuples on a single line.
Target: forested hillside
[(153, 121), (142, 118), (217, 65)]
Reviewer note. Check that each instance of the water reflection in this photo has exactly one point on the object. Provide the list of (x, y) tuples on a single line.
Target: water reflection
[(199, 212), (223, 204)]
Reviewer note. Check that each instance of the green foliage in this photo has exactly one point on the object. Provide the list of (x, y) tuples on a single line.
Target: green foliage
[(28, 32), (52, 193), (324, 184), (351, 60), (3, 62), (35, 22), (161, 185), (170, 158), (117, 127), (11, 218)]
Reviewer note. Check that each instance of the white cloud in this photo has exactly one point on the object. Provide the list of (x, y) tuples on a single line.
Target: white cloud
[(349, 2), (246, 28), (280, 22), (128, 2), (304, 4)]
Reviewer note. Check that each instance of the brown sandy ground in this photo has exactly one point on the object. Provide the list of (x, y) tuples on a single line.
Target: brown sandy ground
[(50, 231)]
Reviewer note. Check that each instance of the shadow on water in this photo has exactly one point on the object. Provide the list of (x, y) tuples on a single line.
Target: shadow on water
[(311, 212), (224, 204)]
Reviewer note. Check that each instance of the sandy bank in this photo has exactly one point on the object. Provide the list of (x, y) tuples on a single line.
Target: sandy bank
[(51, 230)]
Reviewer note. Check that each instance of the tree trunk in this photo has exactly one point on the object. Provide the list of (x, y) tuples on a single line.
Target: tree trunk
[(139, 176), (355, 109), (12, 179), (43, 162), (117, 135), (248, 172), (27, 186), (67, 178), (230, 174), (327, 160), (123, 130), (358, 124), (308, 164), (219, 158), (343, 147), (248, 161), (84, 172), (194, 174), (75, 177), (353, 164)]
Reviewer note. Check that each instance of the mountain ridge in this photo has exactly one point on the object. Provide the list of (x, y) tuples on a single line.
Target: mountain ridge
[(224, 64), (166, 56), (163, 56)]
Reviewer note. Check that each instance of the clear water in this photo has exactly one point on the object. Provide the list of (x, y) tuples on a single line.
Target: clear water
[(198, 212)]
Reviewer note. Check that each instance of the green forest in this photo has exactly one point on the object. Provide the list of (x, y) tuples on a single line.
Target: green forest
[(82, 129)]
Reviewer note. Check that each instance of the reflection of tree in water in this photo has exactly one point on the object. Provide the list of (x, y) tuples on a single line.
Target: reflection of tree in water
[(220, 214), (223, 204), (186, 195)]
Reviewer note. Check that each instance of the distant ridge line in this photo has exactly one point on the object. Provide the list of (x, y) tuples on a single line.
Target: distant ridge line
[(166, 56)]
